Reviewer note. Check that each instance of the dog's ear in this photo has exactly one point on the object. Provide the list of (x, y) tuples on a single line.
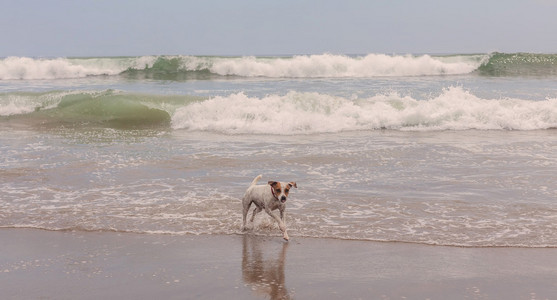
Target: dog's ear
[(293, 184), (272, 183)]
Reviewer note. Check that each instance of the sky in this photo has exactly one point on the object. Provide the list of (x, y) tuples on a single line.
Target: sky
[(61, 28)]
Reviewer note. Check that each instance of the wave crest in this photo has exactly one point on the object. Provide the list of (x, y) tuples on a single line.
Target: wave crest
[(59, 68), (184, 67), (289, 114), (307, 113), (328, 65), (104, 108), (520, 64)]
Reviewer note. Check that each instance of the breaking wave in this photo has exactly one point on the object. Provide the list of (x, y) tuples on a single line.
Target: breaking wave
[(520, 64), (305, 113), (62, 68), (186, 67), (103, 108), (288, 114)]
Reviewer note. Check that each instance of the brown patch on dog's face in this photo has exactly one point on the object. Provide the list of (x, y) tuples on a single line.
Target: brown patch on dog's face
[(281, 192), (276, 187), (288, 187)]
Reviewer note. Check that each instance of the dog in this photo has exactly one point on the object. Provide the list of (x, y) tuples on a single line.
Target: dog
[(267, 197)]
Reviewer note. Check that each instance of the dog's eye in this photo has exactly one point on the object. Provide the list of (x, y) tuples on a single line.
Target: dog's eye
[(286, 191), (277, 190)]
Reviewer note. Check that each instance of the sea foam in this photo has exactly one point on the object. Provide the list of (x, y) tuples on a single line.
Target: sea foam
[(29, 68), (308, 113), (299, 66), (329, 65), (292, 113)]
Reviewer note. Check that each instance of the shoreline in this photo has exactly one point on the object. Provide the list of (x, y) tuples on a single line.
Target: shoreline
[(40, 264)]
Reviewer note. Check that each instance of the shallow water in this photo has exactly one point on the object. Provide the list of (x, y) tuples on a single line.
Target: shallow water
[(464, 160)]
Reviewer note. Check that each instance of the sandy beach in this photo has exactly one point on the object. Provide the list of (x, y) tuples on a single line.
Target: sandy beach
[(38, 264)]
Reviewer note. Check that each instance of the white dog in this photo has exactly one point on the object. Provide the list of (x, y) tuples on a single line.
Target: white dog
[(267, 197)]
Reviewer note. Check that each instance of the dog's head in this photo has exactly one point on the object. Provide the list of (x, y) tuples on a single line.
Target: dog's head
[(280, 190)]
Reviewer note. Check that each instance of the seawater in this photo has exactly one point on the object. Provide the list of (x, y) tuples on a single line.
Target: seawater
[(436, 149)]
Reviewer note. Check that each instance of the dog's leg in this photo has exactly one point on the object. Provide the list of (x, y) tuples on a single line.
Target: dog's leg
[(246, 204), (255, 211), (282, 226), (283, 218)]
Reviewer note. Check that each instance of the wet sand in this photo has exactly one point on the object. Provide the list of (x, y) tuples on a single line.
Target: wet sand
[(37, 264)]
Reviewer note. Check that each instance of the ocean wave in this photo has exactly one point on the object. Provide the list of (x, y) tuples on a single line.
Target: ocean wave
[(185, 67), (308, 113), (519, 64), (289, 114), (328, 65), (95, 108), (58, 68)]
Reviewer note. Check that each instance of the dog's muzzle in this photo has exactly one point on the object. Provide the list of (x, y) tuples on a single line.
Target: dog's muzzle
[(282, 198)]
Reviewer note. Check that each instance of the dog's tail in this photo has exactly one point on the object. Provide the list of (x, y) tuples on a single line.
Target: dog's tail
[(255, 180)]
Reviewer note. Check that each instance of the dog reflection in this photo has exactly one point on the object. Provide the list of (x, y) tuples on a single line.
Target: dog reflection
[(265, 276)]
